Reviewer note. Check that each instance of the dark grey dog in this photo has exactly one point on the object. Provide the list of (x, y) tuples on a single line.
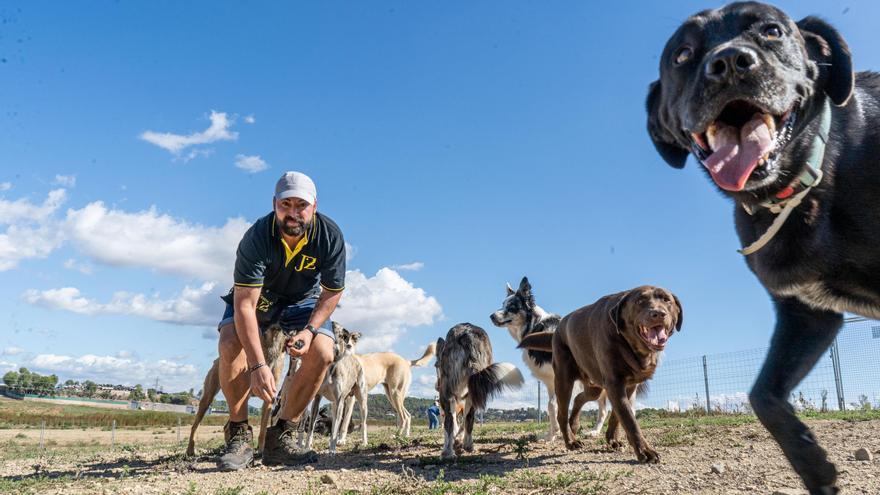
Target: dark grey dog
[(774, 113), (466, 376)]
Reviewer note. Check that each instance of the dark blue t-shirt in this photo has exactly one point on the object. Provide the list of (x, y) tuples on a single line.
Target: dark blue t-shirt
[(293, 273)]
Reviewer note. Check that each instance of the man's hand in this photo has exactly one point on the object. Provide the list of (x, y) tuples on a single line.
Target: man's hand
[(299, 344), (263, 384)]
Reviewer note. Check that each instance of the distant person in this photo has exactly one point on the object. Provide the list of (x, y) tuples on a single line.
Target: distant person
[(434, 416), (290, 270)]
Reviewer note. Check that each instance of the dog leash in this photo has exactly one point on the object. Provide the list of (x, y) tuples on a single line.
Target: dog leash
[(809, 178)]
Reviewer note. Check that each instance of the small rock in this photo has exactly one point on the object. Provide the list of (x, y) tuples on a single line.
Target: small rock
[(309, 468), (718, 468), (863, 455), (328, 479)]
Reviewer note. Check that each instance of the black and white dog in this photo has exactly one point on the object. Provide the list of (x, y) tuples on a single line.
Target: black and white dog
[(522, 317), (466, 375)]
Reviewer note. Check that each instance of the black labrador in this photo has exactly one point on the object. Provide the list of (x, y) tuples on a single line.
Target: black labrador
[(774, 113)]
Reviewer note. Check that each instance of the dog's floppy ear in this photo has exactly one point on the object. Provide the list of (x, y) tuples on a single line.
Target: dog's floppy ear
[(614, 312), (827, 47), (355, 336), (664, 143), (680, 320), (541, 341), (525, 290), (439, 348), (510, 290)]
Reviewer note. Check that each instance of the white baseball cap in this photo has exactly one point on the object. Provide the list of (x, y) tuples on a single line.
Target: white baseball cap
[(296, 185)]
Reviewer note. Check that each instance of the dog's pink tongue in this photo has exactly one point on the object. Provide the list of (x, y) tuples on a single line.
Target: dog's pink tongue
[(657, 336), (735, 155)]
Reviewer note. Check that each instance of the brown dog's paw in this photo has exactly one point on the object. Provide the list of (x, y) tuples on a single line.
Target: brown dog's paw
[(574, 445), (615, 444), (648, 455)]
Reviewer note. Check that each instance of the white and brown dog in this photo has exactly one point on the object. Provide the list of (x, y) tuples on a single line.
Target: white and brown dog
[(466, 374), (522, 317), (395, 374)]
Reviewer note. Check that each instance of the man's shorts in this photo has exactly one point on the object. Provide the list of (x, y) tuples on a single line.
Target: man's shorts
[(292, 318)]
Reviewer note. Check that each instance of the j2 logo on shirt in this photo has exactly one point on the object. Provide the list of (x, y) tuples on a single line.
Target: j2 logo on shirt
[(306, 263)]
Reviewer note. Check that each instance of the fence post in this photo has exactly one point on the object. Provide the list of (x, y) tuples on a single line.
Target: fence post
[(706, 382), (838, 380), (42, 429), (539, 401), (113, 435)]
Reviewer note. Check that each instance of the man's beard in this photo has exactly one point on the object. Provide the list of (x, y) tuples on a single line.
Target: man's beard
[(292, 227)]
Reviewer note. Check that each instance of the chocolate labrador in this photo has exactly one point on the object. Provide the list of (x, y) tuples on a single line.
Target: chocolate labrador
[(773, 111), (611, 345)]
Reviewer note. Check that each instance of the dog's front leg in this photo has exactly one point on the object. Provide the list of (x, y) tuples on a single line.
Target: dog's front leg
[(802, 336), (619, 397), (601, 415), (551, 415), (346, 419)]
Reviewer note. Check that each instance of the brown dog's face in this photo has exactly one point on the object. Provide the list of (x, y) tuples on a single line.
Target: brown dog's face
[(647, 316)]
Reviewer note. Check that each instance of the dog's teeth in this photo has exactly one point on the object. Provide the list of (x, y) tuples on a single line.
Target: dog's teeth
[(770, 121), (710, 134)]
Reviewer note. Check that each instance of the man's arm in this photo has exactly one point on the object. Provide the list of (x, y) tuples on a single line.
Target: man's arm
[(325, 306), (248, 331)]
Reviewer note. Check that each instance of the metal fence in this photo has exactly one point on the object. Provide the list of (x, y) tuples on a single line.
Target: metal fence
[(846, 378)]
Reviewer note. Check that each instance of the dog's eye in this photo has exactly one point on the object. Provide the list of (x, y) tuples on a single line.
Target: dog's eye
[(683, 55), (772, 32)]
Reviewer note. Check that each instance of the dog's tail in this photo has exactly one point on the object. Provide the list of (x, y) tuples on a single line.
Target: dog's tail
[(541, 341), (426, 357), (490, 381)]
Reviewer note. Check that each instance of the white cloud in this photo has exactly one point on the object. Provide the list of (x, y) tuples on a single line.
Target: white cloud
[(22, 210), (5, 186), (12, 351), (175, 143), (65, 180), (251, 164), (250, 119), (350, 251), (158, 241), (32, 230), (193, 306), (383, 306), (172, 376), (85, 268), (6, 366), (413, 267)]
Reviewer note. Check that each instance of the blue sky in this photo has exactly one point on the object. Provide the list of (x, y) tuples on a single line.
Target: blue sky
[(458, 145)]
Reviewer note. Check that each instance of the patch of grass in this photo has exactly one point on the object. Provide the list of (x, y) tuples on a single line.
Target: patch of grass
[(230, 491), (31, 485)]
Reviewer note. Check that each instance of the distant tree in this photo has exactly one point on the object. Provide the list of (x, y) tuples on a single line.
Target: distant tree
[(137, 393), (70, 383), (151, 395), (90, 387), (11, 379)]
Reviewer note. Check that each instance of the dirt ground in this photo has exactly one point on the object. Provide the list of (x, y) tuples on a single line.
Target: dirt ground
[(508, 459)]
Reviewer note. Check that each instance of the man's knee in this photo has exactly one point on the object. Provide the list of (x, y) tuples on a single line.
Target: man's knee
[(229, 345), (320, 353)]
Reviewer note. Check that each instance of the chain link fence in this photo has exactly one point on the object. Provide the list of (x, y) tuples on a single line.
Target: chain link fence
[(846, 378)]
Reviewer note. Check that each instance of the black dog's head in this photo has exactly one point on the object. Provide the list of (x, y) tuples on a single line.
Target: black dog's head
[(742, 87)]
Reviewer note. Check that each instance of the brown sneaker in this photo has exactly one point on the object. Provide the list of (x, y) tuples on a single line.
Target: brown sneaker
[(238, 454), (281, 448)]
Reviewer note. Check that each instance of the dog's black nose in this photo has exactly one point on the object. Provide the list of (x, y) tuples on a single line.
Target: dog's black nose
[(730, 62), (658, 314)]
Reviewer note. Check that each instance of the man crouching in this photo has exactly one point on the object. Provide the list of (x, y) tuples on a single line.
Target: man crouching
[(290, 271)]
